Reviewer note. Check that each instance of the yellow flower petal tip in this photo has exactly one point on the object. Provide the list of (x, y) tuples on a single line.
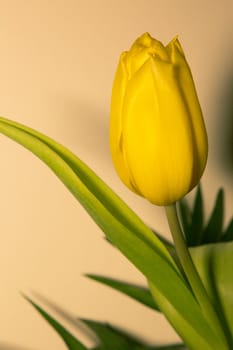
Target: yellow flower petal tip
[(158, 139)]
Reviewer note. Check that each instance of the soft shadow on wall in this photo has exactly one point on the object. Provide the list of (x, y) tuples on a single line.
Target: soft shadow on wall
[(85, 124)]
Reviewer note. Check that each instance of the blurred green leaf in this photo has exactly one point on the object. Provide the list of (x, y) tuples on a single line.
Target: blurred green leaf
[(228, 234), (170, 347), (214, 264), (110, 337), (128, 233), (141, 294), (213, 231), (197, 221), (71, 342), (195, 230), (192, 219), (114, 339)]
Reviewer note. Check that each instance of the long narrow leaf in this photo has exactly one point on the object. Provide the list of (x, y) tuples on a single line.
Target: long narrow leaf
[(127, 232), (195, 230), (141, 294), (71, 342), (66, 165), (213, 230)]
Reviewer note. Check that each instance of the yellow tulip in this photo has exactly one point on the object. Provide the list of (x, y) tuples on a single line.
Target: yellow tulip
[(158, 139)]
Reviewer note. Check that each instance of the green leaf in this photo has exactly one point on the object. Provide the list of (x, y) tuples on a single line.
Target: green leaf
[(170, 246), (110, 337), (213, 231), (114, 339), (71, 342), (82, 182), (196, 227), (141, 294), (128, 233), (228, 234), (192, 220), (170, 347), (214, 264)]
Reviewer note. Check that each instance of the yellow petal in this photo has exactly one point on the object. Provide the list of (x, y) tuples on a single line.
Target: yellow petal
[(186, 83), (142, 49), (157, 138), (157, 133), (118, 92)]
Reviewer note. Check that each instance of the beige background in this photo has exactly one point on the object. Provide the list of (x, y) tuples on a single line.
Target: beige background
[(57, 64)]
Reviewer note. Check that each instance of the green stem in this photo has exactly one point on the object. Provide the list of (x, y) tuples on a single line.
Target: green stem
[(190, 270)]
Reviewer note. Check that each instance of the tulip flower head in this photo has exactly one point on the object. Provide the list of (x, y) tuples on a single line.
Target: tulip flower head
[(158, 139)]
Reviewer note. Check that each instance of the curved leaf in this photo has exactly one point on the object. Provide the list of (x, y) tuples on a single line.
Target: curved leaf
[(127, 232), (71, 342), (81, 180)]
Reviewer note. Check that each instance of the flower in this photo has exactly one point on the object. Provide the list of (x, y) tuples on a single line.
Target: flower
[(158, 139)]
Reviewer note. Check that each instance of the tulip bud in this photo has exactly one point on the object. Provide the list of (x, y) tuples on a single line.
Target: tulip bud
[(158, 139)]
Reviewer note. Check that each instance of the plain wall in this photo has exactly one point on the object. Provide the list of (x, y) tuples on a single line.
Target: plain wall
[(57, 62)]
